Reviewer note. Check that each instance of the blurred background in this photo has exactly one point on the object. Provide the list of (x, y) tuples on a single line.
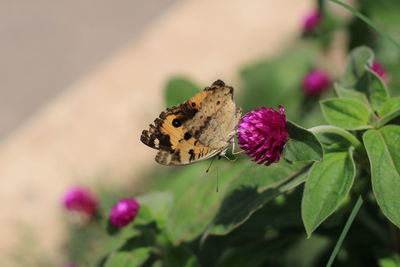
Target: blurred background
[(79, 80)]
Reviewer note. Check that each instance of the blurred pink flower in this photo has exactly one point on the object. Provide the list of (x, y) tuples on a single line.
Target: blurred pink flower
[(315, 82), (380, 70), (124, 212), (79, 199), (262, 134), (311, 21)]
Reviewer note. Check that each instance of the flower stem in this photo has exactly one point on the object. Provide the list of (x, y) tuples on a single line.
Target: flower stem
[(345, 230), (367, 21)]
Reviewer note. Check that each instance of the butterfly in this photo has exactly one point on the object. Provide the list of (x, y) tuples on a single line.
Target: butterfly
[(198, 129)]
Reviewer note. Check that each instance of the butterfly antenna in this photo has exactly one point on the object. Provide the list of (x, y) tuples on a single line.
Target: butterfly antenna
[(212, 160)]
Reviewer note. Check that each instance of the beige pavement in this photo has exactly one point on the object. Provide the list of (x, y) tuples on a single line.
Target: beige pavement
[(90, 133)]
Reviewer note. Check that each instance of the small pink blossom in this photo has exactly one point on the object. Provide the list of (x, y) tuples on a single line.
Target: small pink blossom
[(311, 21), (262, 134), (315, 82), (380, 70), (124, 212), (81, 200)]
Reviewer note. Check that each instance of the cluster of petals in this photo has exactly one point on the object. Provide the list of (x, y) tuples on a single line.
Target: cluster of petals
[(124, 212), (262, 134)]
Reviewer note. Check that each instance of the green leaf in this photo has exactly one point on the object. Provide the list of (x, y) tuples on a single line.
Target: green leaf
[(157, 205), (383, 148), (346, 113), (198, 205), (389, 111), (351, 94), (358, 59), (328, 184), (389, 261), (332, 135), (132, 258), (180, 256), (302, 144), (178, 90), (377, 91)]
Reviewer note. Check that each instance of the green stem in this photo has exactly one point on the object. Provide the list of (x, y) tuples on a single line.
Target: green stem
[(339, 131), (345, 230), (367, 21)]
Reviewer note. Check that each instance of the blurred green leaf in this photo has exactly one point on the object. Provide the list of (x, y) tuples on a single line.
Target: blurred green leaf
[(383, 148), (313, 247), (351, 94), (328, 184), (346, 113), (302, 145), (389, 111), (132, 258), (277, 81), (158, 204), (180, 256), (354, 71), (178, 90), (389, 262)]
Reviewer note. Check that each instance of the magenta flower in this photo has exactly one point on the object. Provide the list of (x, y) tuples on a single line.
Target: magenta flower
[(315, 82), (311, 21), (262, 134), (79, 199), (124, 212), (380, 70)]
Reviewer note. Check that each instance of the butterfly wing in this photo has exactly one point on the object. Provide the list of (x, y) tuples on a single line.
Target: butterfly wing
[(197, 129)]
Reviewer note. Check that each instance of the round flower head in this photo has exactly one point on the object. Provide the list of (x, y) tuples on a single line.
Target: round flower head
[(124, 212), (79, 199), (262, 134), (315, 82), (311, 21), (380, 70)]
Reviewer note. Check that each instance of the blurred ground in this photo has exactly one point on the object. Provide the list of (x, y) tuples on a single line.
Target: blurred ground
[(46, 45), (90, 133)]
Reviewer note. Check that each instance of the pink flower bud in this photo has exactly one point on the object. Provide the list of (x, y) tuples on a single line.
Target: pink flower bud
[(81, 200), (380, 70), (262, 134), (124, 212), (311, 21), (315, 82)]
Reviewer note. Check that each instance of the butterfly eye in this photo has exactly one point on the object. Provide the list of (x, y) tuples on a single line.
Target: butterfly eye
[(176, 123), (218, 102), (193, 104)]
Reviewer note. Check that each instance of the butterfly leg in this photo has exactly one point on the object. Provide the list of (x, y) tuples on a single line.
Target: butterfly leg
[(233, 149)]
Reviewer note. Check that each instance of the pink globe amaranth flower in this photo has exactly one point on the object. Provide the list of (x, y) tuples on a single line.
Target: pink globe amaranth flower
[(124, 212), (315, 82), (311, 21), (79, 199), (262, 134), (380, 70)]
